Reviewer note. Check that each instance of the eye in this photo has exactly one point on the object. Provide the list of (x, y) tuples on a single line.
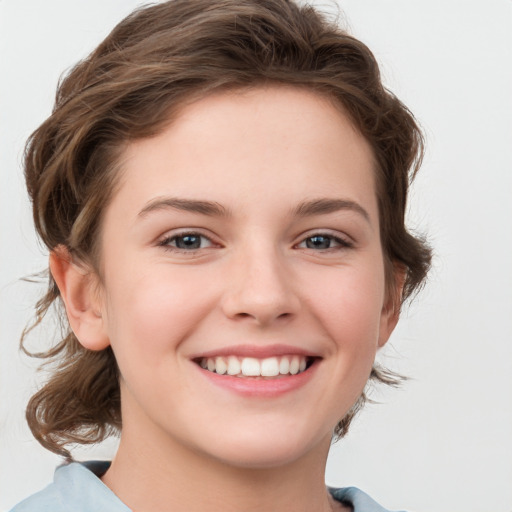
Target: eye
[(324, 242), (186, 242)]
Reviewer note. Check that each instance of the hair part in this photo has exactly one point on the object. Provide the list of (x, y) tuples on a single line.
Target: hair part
[(153, 63)]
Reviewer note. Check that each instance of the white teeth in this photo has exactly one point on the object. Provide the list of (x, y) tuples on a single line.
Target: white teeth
[(270, 367), (294, 365), (253, 367), (233, 365), (220, 365)]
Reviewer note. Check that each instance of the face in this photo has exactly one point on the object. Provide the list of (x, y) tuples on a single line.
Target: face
[(243, 285)]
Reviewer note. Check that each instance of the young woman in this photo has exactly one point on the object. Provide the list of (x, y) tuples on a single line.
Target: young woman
[(221, 187)]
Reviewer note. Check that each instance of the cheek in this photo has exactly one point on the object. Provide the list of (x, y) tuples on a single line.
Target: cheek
[(348, 303), (152, 314)]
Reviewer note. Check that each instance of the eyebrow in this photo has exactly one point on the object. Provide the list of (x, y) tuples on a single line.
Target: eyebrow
[(327, 205), (306, 209), (189, 205)]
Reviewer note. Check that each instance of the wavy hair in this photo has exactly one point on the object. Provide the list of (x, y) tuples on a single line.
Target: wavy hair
[(152, 63)]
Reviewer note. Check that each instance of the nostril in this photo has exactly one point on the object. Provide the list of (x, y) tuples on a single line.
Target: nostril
[(263, 294)]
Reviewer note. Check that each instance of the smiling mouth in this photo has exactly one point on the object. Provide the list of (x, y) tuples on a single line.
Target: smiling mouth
[(269, 367)]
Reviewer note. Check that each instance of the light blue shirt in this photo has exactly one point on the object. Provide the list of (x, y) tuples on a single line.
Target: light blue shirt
[(77, 488)]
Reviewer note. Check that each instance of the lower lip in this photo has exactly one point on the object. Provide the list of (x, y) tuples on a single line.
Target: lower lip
[(260, 387)]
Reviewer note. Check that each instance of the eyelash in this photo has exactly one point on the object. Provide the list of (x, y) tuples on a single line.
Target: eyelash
[(166, 242), (341, 243)]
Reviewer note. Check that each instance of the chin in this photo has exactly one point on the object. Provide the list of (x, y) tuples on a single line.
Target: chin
[(269, 451)]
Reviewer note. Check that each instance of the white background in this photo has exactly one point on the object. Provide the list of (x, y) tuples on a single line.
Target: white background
[(443, 443)]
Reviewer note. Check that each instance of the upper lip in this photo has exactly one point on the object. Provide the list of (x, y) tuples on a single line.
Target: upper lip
[(256, 351)]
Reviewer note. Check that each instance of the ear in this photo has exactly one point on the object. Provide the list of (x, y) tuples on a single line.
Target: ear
[(79, 291), (391, 309)]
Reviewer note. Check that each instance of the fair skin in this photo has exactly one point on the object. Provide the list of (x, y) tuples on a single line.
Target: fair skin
[(246, 233)]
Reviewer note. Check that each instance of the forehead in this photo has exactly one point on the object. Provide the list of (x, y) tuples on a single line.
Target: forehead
[(238, 146)]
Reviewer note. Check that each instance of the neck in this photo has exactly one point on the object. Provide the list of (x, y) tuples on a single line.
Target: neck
[(163, 476)]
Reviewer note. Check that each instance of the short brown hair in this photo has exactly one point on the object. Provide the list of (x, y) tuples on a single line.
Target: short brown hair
[(153, 62)]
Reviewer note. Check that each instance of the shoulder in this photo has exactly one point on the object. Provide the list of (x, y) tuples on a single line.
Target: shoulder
[(357, 499), (75, 487)]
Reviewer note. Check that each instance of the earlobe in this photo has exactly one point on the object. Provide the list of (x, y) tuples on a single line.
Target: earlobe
[(391, 310), (79, 294)]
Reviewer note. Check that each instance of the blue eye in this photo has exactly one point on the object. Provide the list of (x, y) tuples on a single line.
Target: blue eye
[(186, 242), (318, 242), (324, 242)]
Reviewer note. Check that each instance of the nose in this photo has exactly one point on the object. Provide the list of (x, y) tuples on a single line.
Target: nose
[(260, 288)]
